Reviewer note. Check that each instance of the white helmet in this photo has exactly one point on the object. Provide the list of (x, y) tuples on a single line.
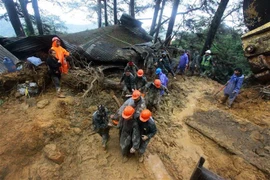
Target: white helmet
[(208, 52)]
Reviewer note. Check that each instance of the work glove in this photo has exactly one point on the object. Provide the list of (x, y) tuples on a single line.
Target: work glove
[(132, 150), (144, 137)]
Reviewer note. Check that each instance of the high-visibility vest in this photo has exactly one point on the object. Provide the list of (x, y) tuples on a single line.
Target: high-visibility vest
[(206, 61)]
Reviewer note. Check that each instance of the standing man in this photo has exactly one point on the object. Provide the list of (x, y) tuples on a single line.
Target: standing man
[(140, 81), (183, 63), (206, 64), (167, 64), (100, 124), (129, 80), (61, 54), (233, 87), (129, 133), (163, 78), (54, 71), (195, 64), (147, 129)]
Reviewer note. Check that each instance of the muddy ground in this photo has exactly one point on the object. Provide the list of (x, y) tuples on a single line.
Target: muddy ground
[(49, 138)]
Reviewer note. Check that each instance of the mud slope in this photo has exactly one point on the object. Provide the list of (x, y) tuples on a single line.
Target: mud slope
[(55, 141)]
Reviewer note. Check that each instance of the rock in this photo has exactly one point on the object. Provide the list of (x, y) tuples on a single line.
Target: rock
[(17, 95), (53, 153), (255, 135), (41, 104), (77, 131)]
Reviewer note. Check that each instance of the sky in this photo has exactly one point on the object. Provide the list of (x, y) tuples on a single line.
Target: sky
[(79, 16)]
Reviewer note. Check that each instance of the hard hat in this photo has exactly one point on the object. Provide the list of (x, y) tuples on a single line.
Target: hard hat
[(55, 38), (128, 112), (158, 70), (208, 51), (140, 73), (130, 63), (145, 115), (136, 94), (157, 83)]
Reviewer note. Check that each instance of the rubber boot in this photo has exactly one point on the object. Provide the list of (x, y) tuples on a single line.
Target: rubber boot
[(59, 93), (141, 158)]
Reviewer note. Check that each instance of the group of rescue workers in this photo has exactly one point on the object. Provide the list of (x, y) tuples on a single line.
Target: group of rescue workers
[(134, 118)]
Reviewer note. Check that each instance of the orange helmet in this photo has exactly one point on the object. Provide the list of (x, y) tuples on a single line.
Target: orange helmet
[(140, 73), (145, 115), (128, 112), (55, 38), (136, 94), (157, 83)]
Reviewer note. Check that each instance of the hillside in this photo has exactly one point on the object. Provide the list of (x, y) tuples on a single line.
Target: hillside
[(56, 141)]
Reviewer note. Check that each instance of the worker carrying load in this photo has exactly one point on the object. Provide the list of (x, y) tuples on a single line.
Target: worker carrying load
[(129, 133), (129, 80), (140, 81), (153, 97), (147, 128)]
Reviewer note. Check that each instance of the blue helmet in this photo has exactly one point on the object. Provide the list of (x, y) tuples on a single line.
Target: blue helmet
[(158, 70)]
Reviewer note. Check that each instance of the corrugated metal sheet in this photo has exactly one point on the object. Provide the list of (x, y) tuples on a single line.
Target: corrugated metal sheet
[(5, 53)]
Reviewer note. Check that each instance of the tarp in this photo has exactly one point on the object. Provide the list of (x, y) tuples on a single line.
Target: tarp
[(5, 53)]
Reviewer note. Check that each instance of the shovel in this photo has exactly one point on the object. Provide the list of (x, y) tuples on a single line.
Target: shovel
[(220, 89)]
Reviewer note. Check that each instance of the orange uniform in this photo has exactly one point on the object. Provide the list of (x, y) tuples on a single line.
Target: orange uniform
[(60, 55)]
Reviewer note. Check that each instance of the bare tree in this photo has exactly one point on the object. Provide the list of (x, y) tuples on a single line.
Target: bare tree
[(154, 21), (115, 11), (105, 12), (37, 17), (13, 17), (99, 14), (131, 8), (159, 20), (29, 25), (171, 22), (214, 25)]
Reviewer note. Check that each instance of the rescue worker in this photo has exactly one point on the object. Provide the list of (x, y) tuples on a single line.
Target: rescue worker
[(129, 133), (233, 87), (131, 67), (61, 54), (140, 81), (167, 63), (136, 101), (163, 78), (195, 64), (206, 64), (129, 85), (147, 128), (183, 63), (100, 124), (153, 94), (54, 71)]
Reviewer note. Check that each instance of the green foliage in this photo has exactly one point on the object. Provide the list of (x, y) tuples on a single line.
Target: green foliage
[(226, 50)]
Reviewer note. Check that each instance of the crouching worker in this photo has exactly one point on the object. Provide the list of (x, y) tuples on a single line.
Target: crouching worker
[(129, 81), (147, 129), (100, 124), (129, 133), (233, 87)]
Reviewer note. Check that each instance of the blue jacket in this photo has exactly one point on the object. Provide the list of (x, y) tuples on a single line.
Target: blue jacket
[(234, 85), (183, 61), (164, 79)]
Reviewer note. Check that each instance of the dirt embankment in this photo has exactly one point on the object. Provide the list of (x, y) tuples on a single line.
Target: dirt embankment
[(55, 141)]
